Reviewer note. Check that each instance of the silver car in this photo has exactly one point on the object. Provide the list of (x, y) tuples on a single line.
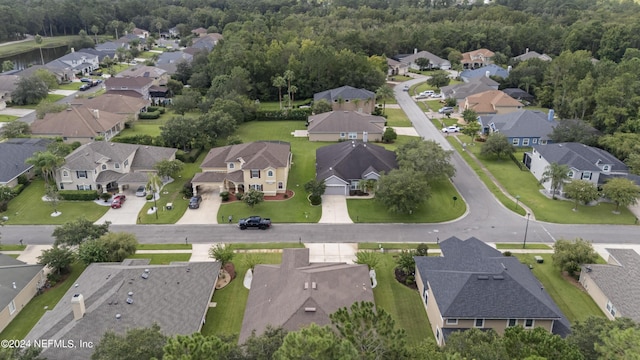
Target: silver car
[(142, 191)]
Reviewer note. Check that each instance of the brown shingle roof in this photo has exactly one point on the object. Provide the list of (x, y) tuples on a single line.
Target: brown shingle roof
[(257, 155), (345, 121), (488, 101), (118, 83), (76, 121), (115, 103)]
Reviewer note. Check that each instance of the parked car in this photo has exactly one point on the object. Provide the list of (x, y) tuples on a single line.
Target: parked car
[(85, 80), (142, 191), (451, 129), (84, 87), (446, 110), (195, 201), (405, 88), (421, 96), (427, 93), (96, 73), (117, 201), (96, 82), (254, 222)]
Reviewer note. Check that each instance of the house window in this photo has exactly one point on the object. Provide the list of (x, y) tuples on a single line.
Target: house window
[(528, 323), (126, 163), (512, 322), (343, 135), (452, 321), (84, 187), (280, 185), (104, 167), (525, 142), (61, 186), (270, 173), (426, 296), (611, 309), (81, 174), (116, 165), (65, 173), (515, 141), (353, 135), (534, 141), (570, 174), (12, 307), (543, 142), (586, 175), (605, 168), (438, 334), (255, 174), (479, 323), (232, 166), (257, 187)]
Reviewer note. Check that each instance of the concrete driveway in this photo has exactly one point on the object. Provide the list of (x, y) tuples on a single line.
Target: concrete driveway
[(128, 213), (334, 210), (206, 214), (16, 112)]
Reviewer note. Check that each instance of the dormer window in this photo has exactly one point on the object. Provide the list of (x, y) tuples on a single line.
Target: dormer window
[(606, 168), (232, 166), (117, 165), (570, 174), (104, 167)]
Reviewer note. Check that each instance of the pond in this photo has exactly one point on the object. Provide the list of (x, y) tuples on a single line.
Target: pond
[(26, 59)]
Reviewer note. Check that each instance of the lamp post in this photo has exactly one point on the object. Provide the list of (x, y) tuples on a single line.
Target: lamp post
[(517, 200), (524, 245)]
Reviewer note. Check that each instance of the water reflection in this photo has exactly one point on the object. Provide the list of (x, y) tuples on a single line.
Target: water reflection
[(26, 59)]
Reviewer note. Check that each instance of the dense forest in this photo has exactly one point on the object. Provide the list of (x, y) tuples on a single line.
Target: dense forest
[(323, 44)]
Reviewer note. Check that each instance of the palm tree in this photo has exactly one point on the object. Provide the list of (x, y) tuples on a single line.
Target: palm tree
[(289, 76), (558, 174), (38, 39), (154, 183), (95, 30), (383, 93), (279, 82), (46, 162)]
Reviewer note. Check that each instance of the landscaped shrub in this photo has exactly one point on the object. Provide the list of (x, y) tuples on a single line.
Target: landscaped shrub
[(188, 157), (239, 196), (224, 195), (23, 179), (105, 196), (149, 115), (507, 253), (18, 189), (78, 195), (3, 206), (187, 189), (159, 109), (277, 115), (315, 199), (135, 139), (149, 197)]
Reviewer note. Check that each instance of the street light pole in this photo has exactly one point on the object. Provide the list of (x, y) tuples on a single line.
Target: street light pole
[(517, 200), (524, 245)]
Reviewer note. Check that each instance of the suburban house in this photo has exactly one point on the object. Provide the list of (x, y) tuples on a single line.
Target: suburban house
[(101, 54), (129, 86), (348, 98), (168, 61), (261, 165), (473, 285), (519, 94), (19, 283), (158, 75), (14, 154), (8, 83), (199, 31), (461, 91), (141, 33), (492, 102), (60, 70), (77, 61), (345, 125), (477, 58), (523, 128), (485, 71), (435, 62), (395, 67), (115, 104), (584, 162), (206, 41), (128, 39), (296, 293), (532, 55), (79, 123), (122, 296), (344, 165), (614, 286), (110, 166)]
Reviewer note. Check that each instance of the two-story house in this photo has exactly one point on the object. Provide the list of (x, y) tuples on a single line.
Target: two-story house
[(348, 98), (108, 166), (129, 86), (262, 166), (77, 61), (523, 128), (477, 58)]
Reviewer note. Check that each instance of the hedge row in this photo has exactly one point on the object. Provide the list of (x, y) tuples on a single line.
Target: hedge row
[(149, 115), (156, 108), (135, 139), (275, 115), (78, 195), (188, 157)]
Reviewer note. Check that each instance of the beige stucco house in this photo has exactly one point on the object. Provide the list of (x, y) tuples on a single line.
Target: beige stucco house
[(348, 98), (19, 283), (477, 58), (345, 125), (262, 166), (79, 123), (492, 102)]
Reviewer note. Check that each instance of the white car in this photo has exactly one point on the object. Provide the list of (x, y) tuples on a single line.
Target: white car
[(451, 129), (427, 93)]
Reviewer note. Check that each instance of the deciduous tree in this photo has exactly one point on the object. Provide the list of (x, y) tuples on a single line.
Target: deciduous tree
[(15, 129), (29, 90), (317, 343), (321, 106), (264, 346), (581, 191), (622, 191), (497, 145), (389, 135), (620, 344), (570, 255), (586, 334), (58, 258), (136, 344), (168, 168), (76, 231), (439, 79), (402, 191)]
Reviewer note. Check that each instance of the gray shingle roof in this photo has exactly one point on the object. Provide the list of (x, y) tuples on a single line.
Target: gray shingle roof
[(14, 153), (278, 296), (494, 70), (172, 57), (461, 91), (350, 159), (521, 123), (86, 156), (580, 156), (518, 94), (619, 283), (433, 59), (257, 155), (532, 55), (333, 122), (345, 93), (473, 280), (12, 270), (175, 296)]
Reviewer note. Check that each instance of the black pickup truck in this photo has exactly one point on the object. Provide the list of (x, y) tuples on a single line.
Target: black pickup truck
[(254, 222)]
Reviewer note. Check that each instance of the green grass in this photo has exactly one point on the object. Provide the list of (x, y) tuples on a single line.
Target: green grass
[(51, 98), (70, 86), (574, 302), (226, 317), (147, 55), (152, 127), (261, 246), (29, 209), (434, 105), (397, 117), (401, 302), (400, 78), (297, 208), (162, 259), (275, 105), (12, 247), (33, 311), (519, 246), (47, 42), (440, 207), (164, 247), (8, 118), (173, 196), (393, 246)]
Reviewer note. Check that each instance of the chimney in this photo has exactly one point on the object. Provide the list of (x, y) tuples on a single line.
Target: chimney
[(509, 68), (550, 116), (73, 50), (415, 50), (77, 305), (487, 73), (96, 113), (526, 50), (14, 285)]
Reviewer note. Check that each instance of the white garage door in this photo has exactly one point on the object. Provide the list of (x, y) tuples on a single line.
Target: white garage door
[(336, 190)]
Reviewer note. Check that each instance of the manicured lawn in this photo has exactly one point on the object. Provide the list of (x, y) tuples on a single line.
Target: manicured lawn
[(296, 208), (7, 118), (519, 246), (33, 311), (394, 246), (47, 42), (401, 302), (226, 317), (12, 247), (440, 207), (152, 127), (29, 209), (397, 117), (260, 246), (434, 105), (574, 302), (164, 247), (51, 98), (147, 54), (400, 140), (162, 259), (70, 86), (275, 105), (172, 195)]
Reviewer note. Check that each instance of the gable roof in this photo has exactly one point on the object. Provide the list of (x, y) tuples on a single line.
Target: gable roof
[(468, 56), (619, 282), (352, 159), (14, 271), (8, 83), (521, 123), (143, 71), (461, 91), (284, 295), (14, 153), (174, 296), (473, 280), (127, 83), (100, 53), (76, 122), (86, 157), (345, 121), (532, 55), (493, 69), (171, 57), (345, 93), (580, 156), (488, 101), (256, 155), (518, 94), (433, 59), (115, 103)]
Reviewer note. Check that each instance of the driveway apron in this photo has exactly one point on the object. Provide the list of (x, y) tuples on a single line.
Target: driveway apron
[(127, 214), (334, 210), (206, 214)]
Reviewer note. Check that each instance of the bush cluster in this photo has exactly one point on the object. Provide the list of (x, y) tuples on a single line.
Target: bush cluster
[(149, 115), (277, 115), (78, 195), (188, 157)]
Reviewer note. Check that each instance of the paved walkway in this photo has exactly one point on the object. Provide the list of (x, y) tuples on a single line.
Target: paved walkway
[(334, 210), (407, 131)]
